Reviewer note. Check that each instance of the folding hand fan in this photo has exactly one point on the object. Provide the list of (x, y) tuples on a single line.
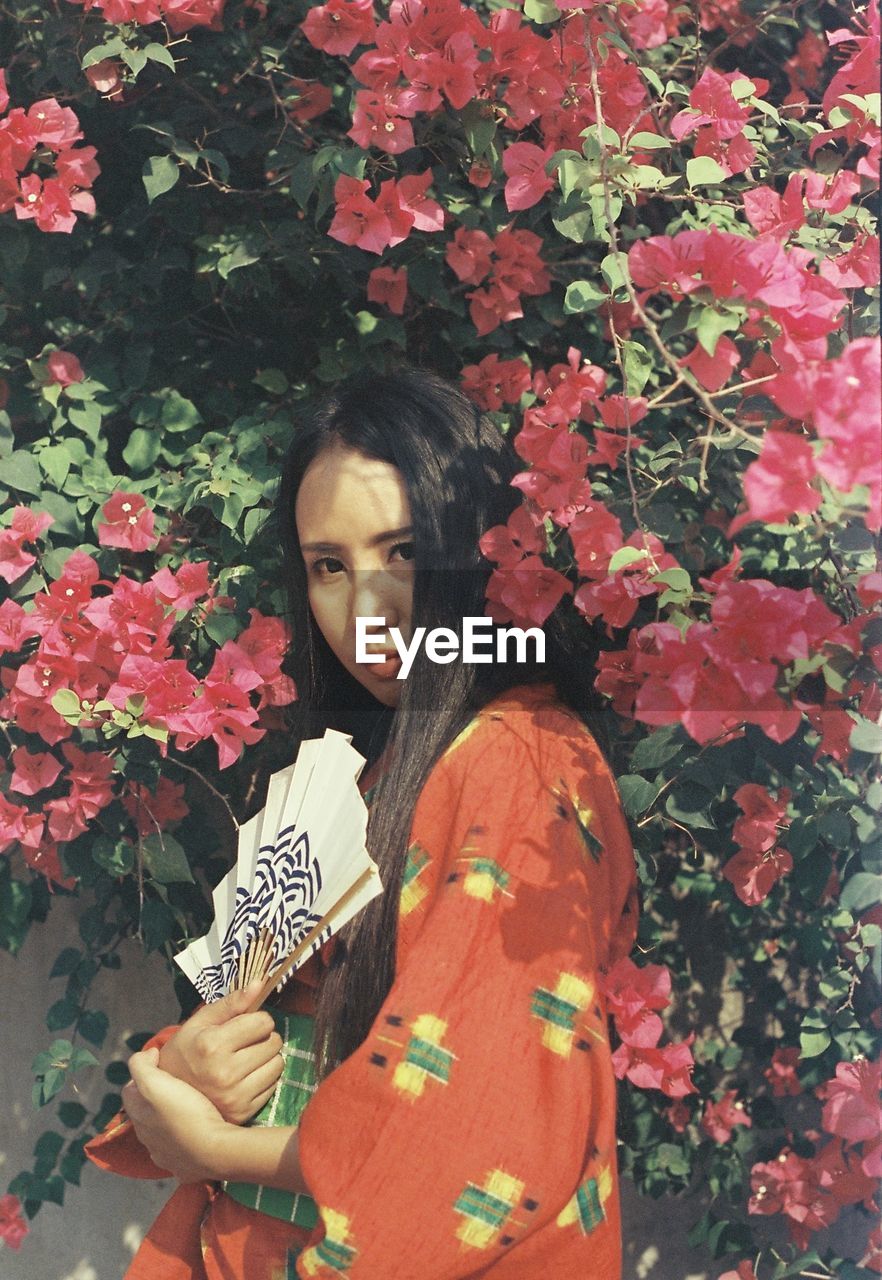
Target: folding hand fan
[(302, 871)]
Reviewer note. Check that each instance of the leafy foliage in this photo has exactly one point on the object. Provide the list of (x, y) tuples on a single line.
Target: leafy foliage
[(640, 235)]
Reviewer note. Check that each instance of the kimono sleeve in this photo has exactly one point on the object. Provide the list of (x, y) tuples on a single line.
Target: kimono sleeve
[(483, 1097), (117, 1148)]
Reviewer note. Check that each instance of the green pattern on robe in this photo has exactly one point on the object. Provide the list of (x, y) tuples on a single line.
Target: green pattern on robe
[(295, 1087)]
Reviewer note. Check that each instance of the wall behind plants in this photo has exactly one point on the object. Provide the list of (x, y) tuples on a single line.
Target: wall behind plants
[(641, 235)]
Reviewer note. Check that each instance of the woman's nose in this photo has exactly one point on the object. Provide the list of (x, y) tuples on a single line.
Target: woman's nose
[(376, 594)]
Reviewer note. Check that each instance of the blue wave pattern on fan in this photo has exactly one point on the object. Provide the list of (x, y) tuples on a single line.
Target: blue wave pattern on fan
[(302, 871)]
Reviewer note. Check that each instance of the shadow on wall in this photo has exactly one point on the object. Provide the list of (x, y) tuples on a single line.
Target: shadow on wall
[(103, 1221)]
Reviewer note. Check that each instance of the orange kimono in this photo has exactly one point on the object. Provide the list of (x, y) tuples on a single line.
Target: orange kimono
[(473, 1133)]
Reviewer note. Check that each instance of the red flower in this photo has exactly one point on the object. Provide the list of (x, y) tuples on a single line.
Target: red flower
[(127, 523), (494, 382), (713, 371), (157, 810), (720, 1119), (13, 1227), (64, 368), (781, 1073), (357, 219), (313, 99), (388, 287), (753, 874), (507, 544)]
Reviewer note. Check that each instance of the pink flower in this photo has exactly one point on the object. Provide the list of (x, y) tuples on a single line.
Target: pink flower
[(851, 1101), (127, 523), (779, 483), (376, 122), (411, 195), (633, 993), (388, 287), (720, 1119), (668, 1069), (526, 594), (753, 874), (524, 165), (337, 27), (26, 526), (33, 773), (64, 368)]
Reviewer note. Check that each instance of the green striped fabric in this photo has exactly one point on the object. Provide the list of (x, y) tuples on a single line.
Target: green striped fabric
[(296, 1086)]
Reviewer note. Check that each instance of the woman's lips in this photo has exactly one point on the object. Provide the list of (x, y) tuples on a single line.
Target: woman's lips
[(386, 668)]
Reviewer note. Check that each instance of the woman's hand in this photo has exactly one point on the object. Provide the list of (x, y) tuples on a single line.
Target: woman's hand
[(229, 1054), (180, 1128), (187, 1135)]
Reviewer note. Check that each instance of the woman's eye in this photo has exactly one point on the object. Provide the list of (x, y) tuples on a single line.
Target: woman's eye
[(327, 567), (404, 550)]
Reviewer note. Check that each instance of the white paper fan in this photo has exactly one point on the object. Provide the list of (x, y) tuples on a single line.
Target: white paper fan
[(301, 872)]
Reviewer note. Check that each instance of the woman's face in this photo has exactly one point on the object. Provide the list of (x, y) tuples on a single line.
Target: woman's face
[(353, 523)]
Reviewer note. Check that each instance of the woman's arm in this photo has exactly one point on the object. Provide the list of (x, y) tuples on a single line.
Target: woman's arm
[(187, 1135)]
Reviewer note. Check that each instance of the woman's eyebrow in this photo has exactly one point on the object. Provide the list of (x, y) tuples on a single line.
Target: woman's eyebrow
[(387, 536)]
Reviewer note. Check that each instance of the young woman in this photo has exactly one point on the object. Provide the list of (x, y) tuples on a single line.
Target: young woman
[(464, 1119)]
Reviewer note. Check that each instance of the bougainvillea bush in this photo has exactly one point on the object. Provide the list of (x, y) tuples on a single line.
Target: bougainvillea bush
[(641, 235)]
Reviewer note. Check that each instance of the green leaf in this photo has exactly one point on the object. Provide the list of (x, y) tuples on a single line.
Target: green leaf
[(866, 736), (178, 413), (61, 1014), (159, 174), (135, 60), (142, 449), (93, 1026), (626, 556), (541, 11), (273, 381), (614, 269), (67, 704), (110, 49), (637, 794), (863, 890), (656, 749), (71, 1114), (65, 962), (116, 857), (159, 53), (165, 859), (583, 295), (19, 471), (813, 1043), (638, 366), (712, 324), (649, 142), (704, 171), (157, 924)]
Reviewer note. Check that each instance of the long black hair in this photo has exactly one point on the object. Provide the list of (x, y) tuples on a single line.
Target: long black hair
[(457, 467)]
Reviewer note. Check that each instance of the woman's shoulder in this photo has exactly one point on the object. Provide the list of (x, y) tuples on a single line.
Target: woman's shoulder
[(531, 715)]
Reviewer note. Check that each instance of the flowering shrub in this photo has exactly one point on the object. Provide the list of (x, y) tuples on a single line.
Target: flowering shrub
[(659, 271)]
